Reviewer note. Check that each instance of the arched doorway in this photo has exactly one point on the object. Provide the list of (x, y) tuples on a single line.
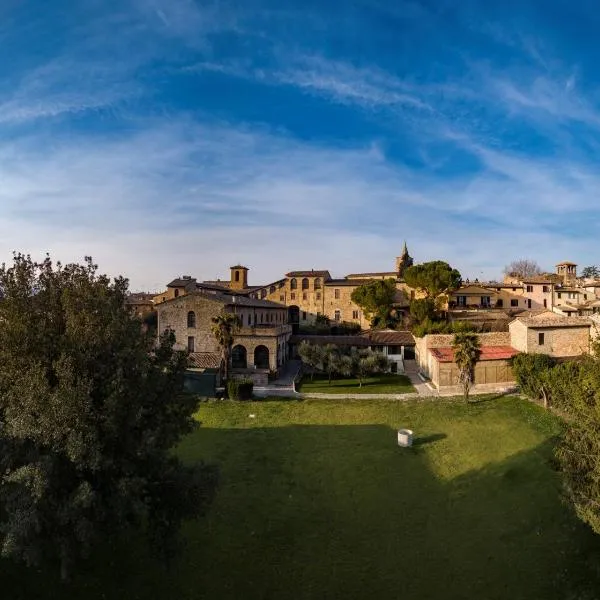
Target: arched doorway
[(239, 357), (261, 357)]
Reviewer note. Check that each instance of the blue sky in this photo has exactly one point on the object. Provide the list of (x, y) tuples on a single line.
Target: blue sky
[(166, 137)]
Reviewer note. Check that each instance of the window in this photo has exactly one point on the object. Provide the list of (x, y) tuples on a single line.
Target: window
[(337, 315), (191, 320), (255, 318), (355, 314), (540, 339), (559, 295), (191, 344), (305, 283), (336, 294), (292, 296), (304, 315), (263, 293), (318, 283), (514, 289), (514, 302), (318, 295), (176, 293), (272, 289), (249, 319), (261, 318), (304, 296), (545, 303), (237, 275), (281, 298), (293, 284), (585, 296), (545, 289), (529, 289)]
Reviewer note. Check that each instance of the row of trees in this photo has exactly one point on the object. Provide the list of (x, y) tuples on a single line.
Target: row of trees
[(90, 410), (332, 361), (573, 389)]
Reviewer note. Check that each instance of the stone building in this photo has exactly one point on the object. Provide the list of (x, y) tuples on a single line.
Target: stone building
[(312, 293), (261, 344), (550, 333)]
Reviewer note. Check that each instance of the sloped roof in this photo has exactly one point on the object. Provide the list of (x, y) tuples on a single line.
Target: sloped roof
[(310, 273), (566, 263), (472, 289), (181, 282), (226, 299), (446, 354), (378, 274), (205, 360), (551, 319), (396, 338), (347, 282), (338, 340)]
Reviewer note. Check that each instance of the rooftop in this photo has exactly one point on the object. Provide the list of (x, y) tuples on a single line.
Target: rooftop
[(205, 360), (182, 281), (338, 340), (396, 338), (446, 354), (228, 299), (550, 319), (311, 273), (378, 274)]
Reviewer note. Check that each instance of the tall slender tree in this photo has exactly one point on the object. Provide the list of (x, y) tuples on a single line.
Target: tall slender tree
[(224, 328), (467, 351)]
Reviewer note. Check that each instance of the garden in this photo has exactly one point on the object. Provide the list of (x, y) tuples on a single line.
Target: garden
[(316, 500)]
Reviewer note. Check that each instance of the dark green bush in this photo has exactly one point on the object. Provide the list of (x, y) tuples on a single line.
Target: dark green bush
[(240, 389)]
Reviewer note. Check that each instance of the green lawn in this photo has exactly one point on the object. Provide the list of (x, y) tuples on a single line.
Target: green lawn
[(386, 383), (317, 501)]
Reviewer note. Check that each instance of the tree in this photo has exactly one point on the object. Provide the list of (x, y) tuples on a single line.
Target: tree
[(422, 309), (467, 351), (90, 410), (522, 268), (224, 327), (590, 272), (311, 355), (433, 278), (531, 373), (377, 300), (366, 362)]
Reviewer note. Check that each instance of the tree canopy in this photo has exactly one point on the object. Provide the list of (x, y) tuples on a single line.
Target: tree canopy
[(433, 278), (376, 298), (90, 408), (522, 268), (591, 272)]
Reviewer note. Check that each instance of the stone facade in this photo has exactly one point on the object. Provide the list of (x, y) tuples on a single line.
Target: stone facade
[(553, 335), (264, 326)]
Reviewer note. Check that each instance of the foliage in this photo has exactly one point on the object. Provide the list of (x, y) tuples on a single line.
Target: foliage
[(382, 383), (467, 351), (322, 320), (224, 328), (433, 278), (438, 327), (522, 268), (531, 375), (377, 299), (422, 309), (240, 389), (328, 328), (591, 272), (332, 360), (90, 409)]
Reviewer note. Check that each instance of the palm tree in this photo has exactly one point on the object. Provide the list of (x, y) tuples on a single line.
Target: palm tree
[(467, 351), (224, 328)]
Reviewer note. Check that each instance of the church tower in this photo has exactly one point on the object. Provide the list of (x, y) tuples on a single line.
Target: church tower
[(403, 262)]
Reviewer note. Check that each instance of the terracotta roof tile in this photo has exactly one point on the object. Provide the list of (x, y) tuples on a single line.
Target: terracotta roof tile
[(205, 360), (446, 354), (396, 338)]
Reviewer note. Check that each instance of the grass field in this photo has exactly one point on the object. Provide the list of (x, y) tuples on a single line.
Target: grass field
[(317, 501), (380, 384)]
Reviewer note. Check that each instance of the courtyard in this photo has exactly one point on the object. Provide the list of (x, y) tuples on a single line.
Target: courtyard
[(316, 500)]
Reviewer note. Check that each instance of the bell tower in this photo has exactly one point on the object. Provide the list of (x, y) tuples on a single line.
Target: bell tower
[(403, 261), (239, 278)]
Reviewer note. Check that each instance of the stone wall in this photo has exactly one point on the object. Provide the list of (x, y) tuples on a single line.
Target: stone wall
[(559, 341)]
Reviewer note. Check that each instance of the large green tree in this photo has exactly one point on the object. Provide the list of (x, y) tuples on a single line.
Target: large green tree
[(433, 278), (591, 272), (90, 409), (467, 351), (376, 298)]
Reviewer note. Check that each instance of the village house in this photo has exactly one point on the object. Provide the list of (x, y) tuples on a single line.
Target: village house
[(261, 345)]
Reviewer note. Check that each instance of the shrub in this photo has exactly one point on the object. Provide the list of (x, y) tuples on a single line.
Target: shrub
[(240, 389), (532, 373)]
